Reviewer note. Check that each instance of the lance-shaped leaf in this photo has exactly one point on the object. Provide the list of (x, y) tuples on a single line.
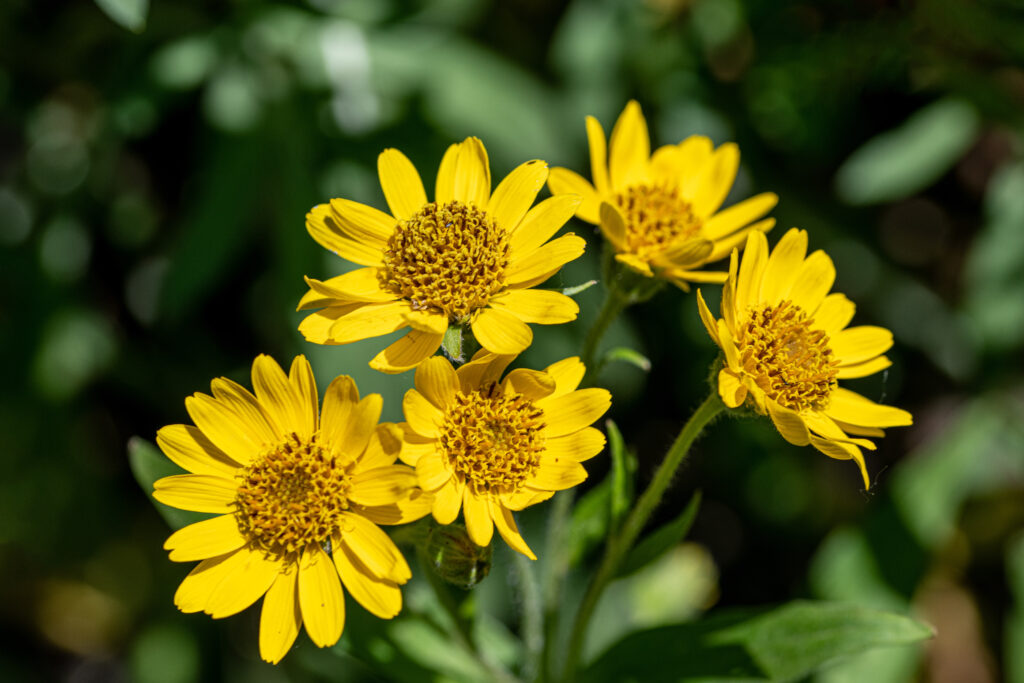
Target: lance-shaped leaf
[(149, 464), (658, 542)]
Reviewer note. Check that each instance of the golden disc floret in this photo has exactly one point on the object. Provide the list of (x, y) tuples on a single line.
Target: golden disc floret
[(293, 495), (447, 257), (493, 440), (656, 216), (788, 359)]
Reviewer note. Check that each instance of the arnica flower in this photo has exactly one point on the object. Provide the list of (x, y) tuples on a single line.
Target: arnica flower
[(786, 343), (490, 448), (660, 211), (469, 256), (298, 497)]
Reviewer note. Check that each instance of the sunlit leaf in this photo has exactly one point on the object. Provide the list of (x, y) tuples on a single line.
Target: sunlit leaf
[(628, 355), (130, 14), (623, 466), (148, 464), (573, 291), (661, 540), (780, 644)]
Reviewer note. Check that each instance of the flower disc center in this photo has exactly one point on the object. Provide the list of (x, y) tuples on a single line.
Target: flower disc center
[(291, 496), (492, 440), (791, 362), (449, 258), (656, 217)]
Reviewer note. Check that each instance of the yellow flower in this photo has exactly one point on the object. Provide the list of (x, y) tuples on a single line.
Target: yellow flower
[(786, 343), (286, 483), (489, 447), (469, 256), (660, 211)]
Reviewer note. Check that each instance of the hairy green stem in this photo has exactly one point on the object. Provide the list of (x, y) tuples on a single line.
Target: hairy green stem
[(533, 615), (614, 303), (556, 565), (619, 545)]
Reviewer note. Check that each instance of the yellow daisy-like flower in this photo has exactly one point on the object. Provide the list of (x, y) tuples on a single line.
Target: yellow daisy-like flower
[(490, 448), (660, 211), (469, 256), (298, 496), (786, 343)]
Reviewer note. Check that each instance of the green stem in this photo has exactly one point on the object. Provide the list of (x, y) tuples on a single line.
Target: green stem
[(614, 303), (619, 545), (463, 630), (533, 636), (556, 566)]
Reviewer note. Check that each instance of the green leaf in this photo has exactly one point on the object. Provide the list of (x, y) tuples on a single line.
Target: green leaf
[(780, 644), (623, 466), (131, 14), (666, 537), (573, 291), (628, 355), (149, 464), (589, 523), (905, 160)]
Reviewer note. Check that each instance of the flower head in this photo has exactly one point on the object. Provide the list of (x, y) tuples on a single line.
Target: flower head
[(786, 345), (491, 447), (660, 211), (467, 257), (298, 497)]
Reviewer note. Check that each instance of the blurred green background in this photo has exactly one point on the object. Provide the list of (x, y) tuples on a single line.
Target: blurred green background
[(155, 167)]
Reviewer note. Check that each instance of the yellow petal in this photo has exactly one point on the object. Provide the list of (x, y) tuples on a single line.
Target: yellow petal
[(858, 344), (431, 472), (843, 451), (501, 332), (276, 394), (562, 181), (693, 155), (320, 597), (598, 155), (205, 539), (516, 193), (300, 376), (567, 373), (728, 346), (738, 216), (401, 183), (280, 619), (571, 412), (725, 245), (541, 223), (860, 430), (815, 278), (448, 502), (472, 174), (427, 321), (541, 306), (532, 384), (444, 188), (613, 225), (636, 263), (407, 352), (383, 449), (240, 437), (382, 485), (556, 473), (380, 597), (247, 581), (710, 324), (483, 368), (542, 263), (374, 548), (316, 327), (783, 265), (362, 284), (324, 226), (197, 492), (506, 526), (716, 179), (415, 446), (524, 498), (188, 448), (684, 254), (371, 320), (410, 508), (681, 276), (730, 389), (477, 513), (364, 223), (361, 423), (789, 424), (850, 407), (630, 148), (834, 313), (578, 446), (751, 272), (423, 417), (437, 381), (255, 418), (197, 588), (863, 369), (340, 400)]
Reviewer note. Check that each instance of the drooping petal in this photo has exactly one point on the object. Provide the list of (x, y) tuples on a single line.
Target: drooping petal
[(374, 548), (320, 597), (380, 597), (501, 332), (789, 424), (403, 189), (407, 352), (730, 389), (477, 514), (448, 501), (281, 618)]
